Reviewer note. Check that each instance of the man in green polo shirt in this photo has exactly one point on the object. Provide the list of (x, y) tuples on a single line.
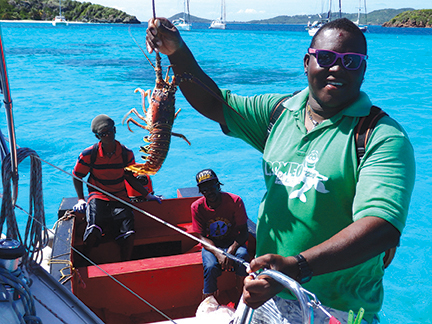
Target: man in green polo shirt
[(326, 220)]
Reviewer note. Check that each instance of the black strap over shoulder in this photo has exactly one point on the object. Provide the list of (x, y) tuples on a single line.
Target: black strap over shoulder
[(94, 153), (364, 129), (275, 113)]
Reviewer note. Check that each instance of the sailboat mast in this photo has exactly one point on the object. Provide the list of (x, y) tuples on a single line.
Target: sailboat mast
[(340, 8), (60, 8), (366, 21), (188, 12)]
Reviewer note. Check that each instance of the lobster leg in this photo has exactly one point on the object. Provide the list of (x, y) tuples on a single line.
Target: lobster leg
[(181, 136), (175, 116), (143, 95), (130, 119)]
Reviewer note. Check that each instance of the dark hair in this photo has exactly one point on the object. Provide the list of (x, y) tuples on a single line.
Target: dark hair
[(342, 24)]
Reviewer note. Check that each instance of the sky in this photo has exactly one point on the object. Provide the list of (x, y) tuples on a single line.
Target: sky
[(246, 10)]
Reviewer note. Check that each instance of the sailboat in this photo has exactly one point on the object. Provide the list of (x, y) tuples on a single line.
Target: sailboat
[(363, 28), (312, 28), (184, 23), (60, 19), (220, 23)]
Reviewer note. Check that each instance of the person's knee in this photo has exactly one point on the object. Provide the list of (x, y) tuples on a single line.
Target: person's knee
[(92, 236)]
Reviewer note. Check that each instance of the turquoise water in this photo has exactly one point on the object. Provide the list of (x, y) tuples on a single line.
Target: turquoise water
[(61, 78)]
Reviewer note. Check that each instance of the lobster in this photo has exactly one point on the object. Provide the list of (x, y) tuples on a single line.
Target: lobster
[(159, 118)]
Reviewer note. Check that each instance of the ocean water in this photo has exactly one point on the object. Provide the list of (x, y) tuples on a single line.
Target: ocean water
[(60, 78)]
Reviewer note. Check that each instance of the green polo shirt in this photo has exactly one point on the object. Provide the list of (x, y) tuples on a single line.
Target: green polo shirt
[(315, 188)]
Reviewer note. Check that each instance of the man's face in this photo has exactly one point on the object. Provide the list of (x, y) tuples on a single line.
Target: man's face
[(334, 87), (210, 190), (107, 134)]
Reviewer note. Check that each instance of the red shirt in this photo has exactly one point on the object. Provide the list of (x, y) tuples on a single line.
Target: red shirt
[(107, 172), (220, 224)]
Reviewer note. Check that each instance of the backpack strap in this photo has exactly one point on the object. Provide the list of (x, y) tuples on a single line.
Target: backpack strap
[(94, 153), (362, 132), (124, 155), (93, 156), (364, 129), (275, 113)]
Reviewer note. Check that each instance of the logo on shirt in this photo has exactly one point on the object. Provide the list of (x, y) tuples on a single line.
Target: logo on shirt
[(292, 174), (218, 228)]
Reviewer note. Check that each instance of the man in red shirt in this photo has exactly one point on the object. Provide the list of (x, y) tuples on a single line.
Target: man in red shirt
[(105, 161), (220, 219)]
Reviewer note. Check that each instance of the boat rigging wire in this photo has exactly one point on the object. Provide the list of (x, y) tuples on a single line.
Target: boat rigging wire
[(232, 257), (14, 232), (301, 294)]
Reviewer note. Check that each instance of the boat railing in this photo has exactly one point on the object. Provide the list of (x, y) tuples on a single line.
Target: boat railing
[(306, 299)]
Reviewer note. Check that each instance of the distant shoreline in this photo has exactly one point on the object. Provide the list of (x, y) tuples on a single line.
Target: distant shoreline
[(39, 21)]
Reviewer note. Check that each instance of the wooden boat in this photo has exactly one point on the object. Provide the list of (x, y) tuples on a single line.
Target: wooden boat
[(166, 270)]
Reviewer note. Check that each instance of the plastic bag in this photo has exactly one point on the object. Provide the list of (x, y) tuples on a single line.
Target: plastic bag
[(209, 312)]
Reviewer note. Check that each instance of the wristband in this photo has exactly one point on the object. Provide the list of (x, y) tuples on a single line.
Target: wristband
[(305, 272)]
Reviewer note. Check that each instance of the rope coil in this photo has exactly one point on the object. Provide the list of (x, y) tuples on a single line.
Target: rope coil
[(36, 234)]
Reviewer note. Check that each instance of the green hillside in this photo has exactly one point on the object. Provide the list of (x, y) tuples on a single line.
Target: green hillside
[(377, 17), (72, 10), (413, 18)]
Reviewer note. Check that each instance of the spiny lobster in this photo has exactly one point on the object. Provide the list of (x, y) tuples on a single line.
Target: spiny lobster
[(159, 118)]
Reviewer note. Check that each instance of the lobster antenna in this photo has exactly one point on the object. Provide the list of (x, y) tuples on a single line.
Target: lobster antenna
[(130, 33), (154, 9)]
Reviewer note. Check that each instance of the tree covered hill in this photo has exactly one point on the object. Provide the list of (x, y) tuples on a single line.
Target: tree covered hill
[(72, 10), (377, 17), (414, 18)]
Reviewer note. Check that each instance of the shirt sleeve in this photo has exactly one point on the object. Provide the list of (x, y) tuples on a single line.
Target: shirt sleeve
[(248, 118), (386, 175), (131, 158), (82, 166)]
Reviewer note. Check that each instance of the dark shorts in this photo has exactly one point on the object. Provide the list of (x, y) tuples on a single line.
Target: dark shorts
[(112, 216)]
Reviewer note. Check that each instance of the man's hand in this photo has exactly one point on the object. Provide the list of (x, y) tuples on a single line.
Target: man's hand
[(153, 197), (257, 291), (80, 206), (162, 36), (226, 263)]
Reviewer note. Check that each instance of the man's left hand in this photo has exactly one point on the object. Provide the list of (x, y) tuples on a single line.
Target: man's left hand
[(153, 197)]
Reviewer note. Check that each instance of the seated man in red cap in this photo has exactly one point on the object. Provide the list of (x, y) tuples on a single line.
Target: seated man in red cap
[(220, 219), (105, 161)]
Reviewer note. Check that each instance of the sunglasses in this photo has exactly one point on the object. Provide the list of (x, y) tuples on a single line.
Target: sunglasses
[(326, 58), (208, 188), (108, 132)]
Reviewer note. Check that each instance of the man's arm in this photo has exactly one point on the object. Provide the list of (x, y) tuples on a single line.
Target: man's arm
[(130, 178), (79, 188), (355, 244), (81, 205), (240, 240), (139, 187), (163, 37)]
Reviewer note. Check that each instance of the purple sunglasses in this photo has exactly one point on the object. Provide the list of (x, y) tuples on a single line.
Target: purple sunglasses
[(327, 58)]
